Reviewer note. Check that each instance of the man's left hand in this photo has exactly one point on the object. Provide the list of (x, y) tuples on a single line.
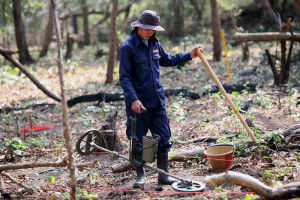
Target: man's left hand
[(194, 52)]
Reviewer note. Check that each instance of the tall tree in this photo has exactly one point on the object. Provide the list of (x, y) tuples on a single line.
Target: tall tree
[(74, 24), (24, 55), (177, 28), (216, 28), (48, 33), (85, 22), (112, 33), (3, 5)]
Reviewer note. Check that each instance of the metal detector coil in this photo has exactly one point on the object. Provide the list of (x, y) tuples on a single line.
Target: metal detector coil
[(193, 186)]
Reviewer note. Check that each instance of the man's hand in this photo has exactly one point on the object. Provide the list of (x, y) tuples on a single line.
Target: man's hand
[(136, 106), (194, 52)]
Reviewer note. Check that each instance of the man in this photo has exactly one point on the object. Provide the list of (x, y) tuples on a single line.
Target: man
[(140, 56)]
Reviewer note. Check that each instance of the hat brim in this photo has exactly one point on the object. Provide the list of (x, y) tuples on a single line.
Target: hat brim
[(146, 26)]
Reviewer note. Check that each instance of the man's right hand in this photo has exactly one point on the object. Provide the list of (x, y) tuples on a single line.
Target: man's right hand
[(136, 106)]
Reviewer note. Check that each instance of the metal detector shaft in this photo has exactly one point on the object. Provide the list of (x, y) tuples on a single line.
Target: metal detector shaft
[(146, 166)]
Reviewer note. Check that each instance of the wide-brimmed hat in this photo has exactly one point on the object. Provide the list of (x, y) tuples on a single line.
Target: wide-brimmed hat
[(148, 20)]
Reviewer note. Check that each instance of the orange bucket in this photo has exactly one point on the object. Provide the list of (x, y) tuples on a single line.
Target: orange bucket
[(218, 155)]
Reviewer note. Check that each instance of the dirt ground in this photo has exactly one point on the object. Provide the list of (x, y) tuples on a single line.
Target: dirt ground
[(271, 109)]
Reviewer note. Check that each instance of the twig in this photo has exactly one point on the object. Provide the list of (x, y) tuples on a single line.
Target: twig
[(15, 181), (3, 191)]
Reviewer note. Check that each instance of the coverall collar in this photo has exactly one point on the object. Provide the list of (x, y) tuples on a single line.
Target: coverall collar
[(138, 40)]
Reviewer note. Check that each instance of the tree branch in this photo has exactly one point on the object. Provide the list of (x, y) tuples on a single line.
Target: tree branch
[(15, 181), (281, 192), (7, 54)]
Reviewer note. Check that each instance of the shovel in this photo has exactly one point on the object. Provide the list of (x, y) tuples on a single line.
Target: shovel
[(213, 75)]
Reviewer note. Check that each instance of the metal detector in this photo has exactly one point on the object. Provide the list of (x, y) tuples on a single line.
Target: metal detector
[(91, 141)]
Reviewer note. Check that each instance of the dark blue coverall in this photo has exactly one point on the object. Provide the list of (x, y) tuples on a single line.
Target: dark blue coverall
[(140, 80)]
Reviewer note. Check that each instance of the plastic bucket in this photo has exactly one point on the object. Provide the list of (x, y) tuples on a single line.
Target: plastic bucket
[(218, 155)]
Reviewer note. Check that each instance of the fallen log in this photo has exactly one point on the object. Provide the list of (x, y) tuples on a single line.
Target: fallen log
[(121, 167), (267, 36), (175, 156), (282, 192), (231, 88), (62, 163), (206, 139), (101, 96), (183, 155), (106, 97), (183, 92), (34, 106)]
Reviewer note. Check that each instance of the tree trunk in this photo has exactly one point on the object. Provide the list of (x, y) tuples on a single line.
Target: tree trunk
[(216, 28), (273, 68), (48, 33), (245, 50), (4, 23), (112, 32), (24, 56), (69, 46), (66, 126), (74, 24), (178, 22), (85, 22)]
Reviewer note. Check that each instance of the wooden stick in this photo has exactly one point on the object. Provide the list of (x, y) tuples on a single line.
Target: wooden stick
[(61, 163), (3, 191), (213, 75), (15, 180), (7, 55), (65, 113)]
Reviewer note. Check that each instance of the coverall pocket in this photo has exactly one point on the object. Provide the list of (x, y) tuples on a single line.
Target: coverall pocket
[(156, 56)]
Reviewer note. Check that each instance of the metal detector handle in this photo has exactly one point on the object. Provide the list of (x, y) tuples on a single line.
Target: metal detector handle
[(133, 138), (144, 111), (133, 122)]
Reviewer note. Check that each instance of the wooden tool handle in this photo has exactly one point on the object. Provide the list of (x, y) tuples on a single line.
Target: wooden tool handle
[(213, 75)]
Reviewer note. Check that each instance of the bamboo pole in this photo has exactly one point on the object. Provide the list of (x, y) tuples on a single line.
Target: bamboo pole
[(213, 75)]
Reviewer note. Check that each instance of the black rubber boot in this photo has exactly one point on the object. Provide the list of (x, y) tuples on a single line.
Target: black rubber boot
[(163, 163), (140, 177)]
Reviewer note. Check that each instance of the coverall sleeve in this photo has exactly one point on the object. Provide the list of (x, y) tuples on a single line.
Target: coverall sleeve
[(172, 60), (125, 74)]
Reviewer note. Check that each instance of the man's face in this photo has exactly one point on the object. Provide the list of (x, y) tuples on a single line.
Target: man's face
[(145, 33)]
